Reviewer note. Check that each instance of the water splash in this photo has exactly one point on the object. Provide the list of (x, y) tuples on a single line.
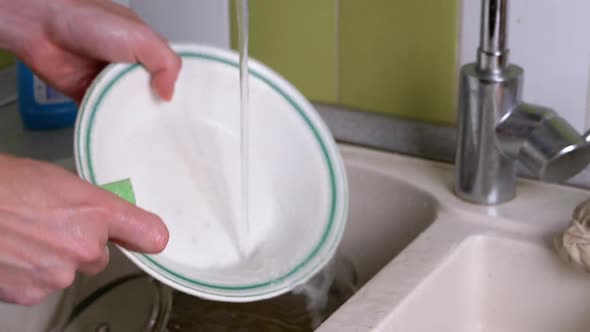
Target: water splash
[(302, 310)]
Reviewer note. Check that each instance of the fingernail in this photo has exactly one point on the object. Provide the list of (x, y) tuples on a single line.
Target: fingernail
[(161, 241), (170, 95)]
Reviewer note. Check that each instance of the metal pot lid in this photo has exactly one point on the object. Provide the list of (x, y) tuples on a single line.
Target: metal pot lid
[(130, 303)]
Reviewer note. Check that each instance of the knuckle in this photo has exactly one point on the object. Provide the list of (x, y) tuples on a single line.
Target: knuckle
[(26, 290), (95, 267), (36, 48), (144, 37), (55, 277), (176, 63), (63, 278), (95, 215), (9, 295), (90, 253), (31, 296), (93, 270), (88, 237)]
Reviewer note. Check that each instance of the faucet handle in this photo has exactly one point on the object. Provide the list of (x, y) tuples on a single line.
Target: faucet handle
[(545, 143), (566, 152)]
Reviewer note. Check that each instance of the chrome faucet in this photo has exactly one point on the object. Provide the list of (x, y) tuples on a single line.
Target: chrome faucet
[(496, 129)]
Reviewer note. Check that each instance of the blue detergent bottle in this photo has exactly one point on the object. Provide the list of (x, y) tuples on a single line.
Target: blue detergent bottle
[(41, 107)]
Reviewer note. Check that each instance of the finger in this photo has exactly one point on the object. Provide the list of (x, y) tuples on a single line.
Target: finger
[(163, 82), (115, 219), (47, 264), (56, 277), (136, 229), (122, 37), (127, 246), (94, 268), (29, 248), (161, 62), (19, 287), (121, 10)]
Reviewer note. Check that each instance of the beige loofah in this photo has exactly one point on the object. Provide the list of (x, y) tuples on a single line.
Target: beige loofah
[(574, 244)]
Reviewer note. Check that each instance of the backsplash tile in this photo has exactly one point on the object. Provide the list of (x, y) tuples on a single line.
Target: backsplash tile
[(297, 39), (549, 39), (6, 59), (399, 57)]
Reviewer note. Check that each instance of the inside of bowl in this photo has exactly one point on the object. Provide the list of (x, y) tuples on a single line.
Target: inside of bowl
[(183, 158)]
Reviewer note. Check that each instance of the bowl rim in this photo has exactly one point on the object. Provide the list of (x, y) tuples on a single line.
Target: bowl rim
[(338, 188)]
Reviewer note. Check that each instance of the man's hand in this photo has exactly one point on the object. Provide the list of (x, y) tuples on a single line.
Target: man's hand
[(53, 224), (68, 42)]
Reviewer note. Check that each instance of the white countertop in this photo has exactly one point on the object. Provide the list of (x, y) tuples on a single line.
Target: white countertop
[(538, 214)]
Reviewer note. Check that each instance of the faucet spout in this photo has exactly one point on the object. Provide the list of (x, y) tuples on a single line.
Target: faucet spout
[(492, 55)]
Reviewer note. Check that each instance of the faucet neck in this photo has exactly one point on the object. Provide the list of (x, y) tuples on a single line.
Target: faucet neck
[(492, 55)]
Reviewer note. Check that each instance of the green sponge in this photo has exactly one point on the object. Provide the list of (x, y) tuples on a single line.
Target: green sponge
[(122, 188)]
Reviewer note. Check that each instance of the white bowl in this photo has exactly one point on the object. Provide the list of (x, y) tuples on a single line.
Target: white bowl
[(183, 160)]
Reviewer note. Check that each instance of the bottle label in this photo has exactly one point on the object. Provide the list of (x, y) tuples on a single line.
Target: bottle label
[(45, 95)]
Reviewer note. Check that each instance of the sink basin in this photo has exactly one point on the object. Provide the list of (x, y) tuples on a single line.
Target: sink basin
[(475, 268), (427, 261), (381, 222), (497, 284)]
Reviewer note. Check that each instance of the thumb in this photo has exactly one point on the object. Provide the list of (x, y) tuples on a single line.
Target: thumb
[(138, 230), (130, 226)]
